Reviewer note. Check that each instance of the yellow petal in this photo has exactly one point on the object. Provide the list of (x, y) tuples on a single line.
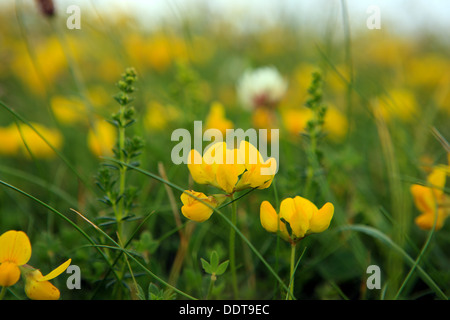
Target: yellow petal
[(197, 209), (57, 271), (437, 180), (424, 198), (320, 221), (36, 289), (426, 220), (298, 220), (268, 217), (15, 247), (200, 172), (9, 274)]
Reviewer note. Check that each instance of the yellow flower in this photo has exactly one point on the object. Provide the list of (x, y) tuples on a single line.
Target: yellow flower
[(197, 210), (431, 200), (157, 116), (34, 144), (258, 173), (335, 123), (38, 287), (399, 104), (298, 218), (102, 138), (216, 119), (15, 251), (218, 167), (221, 167), (10, 140), (68, 110)]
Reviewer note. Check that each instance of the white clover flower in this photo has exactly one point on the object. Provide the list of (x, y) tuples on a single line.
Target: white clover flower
[(262, 87)]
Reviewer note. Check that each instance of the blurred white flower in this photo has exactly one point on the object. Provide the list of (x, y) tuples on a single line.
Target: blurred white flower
[(262, 87)]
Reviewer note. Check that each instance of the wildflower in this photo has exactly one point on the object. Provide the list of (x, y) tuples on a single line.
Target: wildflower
[(197, 208), (231, 169), (158, 117), (15, 251), (38, 287), (216, 118), (263, 87), (298, 218), (102, 138), (34, 144), (431, 200), (68, 110), (399, 104), (10, 140)]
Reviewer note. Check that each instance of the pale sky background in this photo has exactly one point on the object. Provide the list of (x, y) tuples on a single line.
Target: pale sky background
[(410, 16), (397, 16)]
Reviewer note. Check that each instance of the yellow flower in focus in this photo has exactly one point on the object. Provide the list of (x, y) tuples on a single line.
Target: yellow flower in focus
[(431, 200), (298, 218), (197, 210), (15, 251), (38, 287), (34, 144), (68, 110), (258, 173), (10, 139), (218, 167), (232, 169), (216, 119), (102, 138)]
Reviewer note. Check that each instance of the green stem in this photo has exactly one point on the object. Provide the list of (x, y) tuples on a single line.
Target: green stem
[(2, 293), (211, 286), (232, 248), (291, 277), (122, 172)]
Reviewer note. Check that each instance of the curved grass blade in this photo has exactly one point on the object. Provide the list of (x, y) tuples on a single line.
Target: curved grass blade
[(386, 240)]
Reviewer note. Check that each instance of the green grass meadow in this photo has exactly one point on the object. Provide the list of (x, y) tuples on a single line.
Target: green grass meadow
[(86, 169)]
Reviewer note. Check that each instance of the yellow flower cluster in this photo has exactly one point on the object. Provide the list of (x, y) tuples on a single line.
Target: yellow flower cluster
[(15, 252), (230, 170)]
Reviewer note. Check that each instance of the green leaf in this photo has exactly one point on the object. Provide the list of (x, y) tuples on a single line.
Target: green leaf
[(222, 268), (206, 266), (214, 261)]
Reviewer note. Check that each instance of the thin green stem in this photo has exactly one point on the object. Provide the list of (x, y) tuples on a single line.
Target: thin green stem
[(2, 293), (291, 274), (211, 287), (233, 249)]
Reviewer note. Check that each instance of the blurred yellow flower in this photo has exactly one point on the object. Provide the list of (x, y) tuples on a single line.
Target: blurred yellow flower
[(296, 119), (298, 218), (158, 116), (15, 251), (38, 287), (216, 118), (398, 103), (69, 110), (34, 144), (101, 138), (10, 140), (335, 124), (197, 210), (431, 199)]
